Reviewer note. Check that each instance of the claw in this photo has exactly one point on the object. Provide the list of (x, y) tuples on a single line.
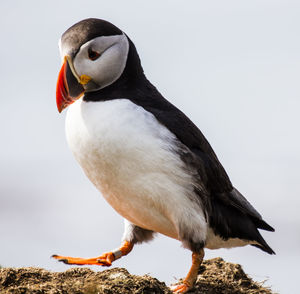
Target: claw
[(64, 260), (181, 288)]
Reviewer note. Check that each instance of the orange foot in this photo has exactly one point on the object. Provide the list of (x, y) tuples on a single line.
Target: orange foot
[(105, 259), (181, 288)]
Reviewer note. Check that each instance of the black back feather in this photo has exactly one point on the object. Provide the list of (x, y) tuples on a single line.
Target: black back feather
[(229, 214)]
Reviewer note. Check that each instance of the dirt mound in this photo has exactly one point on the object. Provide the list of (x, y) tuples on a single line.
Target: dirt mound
[(215, 277)]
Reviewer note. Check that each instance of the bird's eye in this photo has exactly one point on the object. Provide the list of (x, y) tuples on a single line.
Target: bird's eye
[(93, 55)]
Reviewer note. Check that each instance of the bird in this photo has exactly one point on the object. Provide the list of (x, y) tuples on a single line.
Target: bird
[(150, 162)]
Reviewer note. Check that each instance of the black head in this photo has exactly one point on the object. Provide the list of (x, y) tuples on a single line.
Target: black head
[(86, 30), (97, 55)]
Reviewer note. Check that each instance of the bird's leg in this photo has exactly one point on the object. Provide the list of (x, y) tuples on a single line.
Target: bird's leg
[(191, 277), (105, 259)]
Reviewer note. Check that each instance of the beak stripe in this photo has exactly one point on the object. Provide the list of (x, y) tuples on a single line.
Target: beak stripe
[(67, 88)]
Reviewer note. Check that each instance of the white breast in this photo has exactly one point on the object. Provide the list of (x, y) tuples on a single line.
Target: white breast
[(131, 158)]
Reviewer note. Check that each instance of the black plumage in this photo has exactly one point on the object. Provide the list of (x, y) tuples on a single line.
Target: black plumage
[(86, 30)]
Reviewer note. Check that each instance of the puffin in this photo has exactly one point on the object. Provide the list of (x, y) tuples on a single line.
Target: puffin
[(150, 162)]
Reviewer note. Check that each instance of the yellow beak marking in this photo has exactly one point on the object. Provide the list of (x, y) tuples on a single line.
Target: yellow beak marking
[(84, 79)]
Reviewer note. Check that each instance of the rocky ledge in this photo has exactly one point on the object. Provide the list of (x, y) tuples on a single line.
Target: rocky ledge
[(215, 277)]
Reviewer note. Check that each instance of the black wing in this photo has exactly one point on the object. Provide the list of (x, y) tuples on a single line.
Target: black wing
[(230, 214)]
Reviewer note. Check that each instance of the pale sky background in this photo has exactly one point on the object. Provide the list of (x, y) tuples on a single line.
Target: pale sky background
[(232, 66)]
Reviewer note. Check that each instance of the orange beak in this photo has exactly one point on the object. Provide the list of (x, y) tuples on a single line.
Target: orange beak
[(68, 89)]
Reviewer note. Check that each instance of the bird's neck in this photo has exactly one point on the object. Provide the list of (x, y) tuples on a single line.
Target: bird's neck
[(130, 83), (123, 88)]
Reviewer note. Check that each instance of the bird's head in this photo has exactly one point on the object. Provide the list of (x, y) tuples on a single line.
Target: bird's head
[(94, 54)]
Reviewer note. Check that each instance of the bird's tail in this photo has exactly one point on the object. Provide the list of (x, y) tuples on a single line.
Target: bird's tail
[(262, 244)]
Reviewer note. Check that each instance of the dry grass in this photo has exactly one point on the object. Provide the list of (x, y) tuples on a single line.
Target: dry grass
[(216, 277)]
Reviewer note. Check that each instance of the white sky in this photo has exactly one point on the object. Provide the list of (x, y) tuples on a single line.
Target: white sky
[(232, 66)]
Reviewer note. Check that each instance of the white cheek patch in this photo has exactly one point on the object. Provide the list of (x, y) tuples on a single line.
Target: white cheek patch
[(109, 66)]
